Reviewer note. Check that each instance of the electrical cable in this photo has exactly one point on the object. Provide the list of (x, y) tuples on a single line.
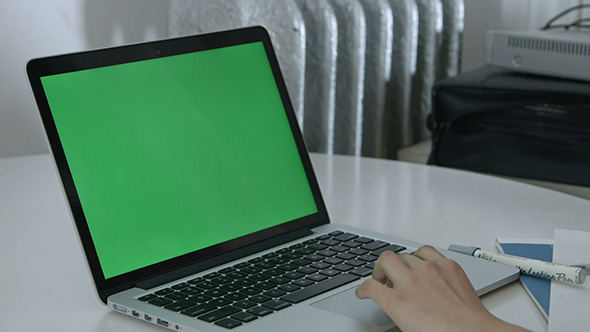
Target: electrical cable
[(576, 23)]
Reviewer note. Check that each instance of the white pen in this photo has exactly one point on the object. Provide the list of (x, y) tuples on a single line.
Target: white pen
[(541, 269)]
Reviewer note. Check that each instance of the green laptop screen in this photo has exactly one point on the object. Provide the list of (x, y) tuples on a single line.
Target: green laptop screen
[(175, 154)]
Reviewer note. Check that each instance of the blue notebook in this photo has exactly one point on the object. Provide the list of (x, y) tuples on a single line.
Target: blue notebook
[(538, 289)]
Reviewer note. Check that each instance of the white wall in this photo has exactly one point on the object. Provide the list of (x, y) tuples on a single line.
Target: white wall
[(34, 28)]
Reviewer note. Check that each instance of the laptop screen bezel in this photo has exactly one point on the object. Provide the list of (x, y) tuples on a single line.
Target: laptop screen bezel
[(38, 68)]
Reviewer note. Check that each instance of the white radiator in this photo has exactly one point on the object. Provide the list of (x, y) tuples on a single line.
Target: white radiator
[(359, 72)]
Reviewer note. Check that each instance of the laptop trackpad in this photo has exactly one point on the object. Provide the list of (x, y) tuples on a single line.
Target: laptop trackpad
[(347, 304)]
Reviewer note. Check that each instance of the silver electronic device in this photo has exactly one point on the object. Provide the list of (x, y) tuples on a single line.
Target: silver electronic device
[(564, 54)]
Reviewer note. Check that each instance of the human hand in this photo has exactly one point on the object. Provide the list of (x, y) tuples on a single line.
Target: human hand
[(426, 291)]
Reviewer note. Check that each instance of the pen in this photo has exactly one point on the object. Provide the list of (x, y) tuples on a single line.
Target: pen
[(541, 269)]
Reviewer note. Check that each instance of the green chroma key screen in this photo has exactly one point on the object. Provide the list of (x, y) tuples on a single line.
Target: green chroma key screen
[(176, 154)]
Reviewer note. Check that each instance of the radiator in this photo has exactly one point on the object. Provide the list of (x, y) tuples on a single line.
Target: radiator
[(359, 72)]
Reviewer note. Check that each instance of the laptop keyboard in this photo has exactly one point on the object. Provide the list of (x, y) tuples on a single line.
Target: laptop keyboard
[(260, 286)]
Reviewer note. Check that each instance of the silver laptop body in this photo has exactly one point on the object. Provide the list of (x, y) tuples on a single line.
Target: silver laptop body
[(193, 194)]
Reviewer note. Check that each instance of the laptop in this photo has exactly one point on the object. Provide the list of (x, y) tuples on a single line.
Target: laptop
[(193, 193)]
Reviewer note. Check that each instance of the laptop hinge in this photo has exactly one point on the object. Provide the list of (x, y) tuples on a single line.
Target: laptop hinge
[(222, 258)]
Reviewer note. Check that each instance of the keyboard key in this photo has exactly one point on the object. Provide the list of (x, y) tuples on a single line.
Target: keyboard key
[(220, 302), (345, 237), (265, 265), (314, 257), (304, 251), (270, 255), (206, 285), (191, 290), (198, 309), (251, 291), (323, 237), (352, 244), (180, 286), (375, 245), (335, 233), (259, 311), (319, 288), (260, 298), (316, 277), (343, 267), (283, 251), (368, 258), (265, 285), (361, 271), (297, 246), (164, 291), (333, 260), (392, 247), (274, 272), (180, 305), (281, 280), (307, 270), (227, 270), (358, 251), (256, 260), (327, 252), (276, 304), (287, 267), (329, 272), (292, 255), (278, 260), (215, 292), (222, 280), (320, 265), (219, 313), (236, 296), (196, 280), (212, 275), (330, 242), (245, 282), (260, 277), (289, 287), (244, 317), (228, 323), (275, 293), (294, 275), (245, 304), (356, 262), (176, 296), (301, 262), (303, 282), (339, 248), (236, 275), (160, 301), (363, 239), (345, 256), (148, 297), (200, 298), (241, 265), (231, 287), (317, 246), (251, 270)]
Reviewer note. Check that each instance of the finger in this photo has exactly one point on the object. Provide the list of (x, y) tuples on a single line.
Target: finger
[(379, 293), (428, 253), (388, 267), (413, 262)]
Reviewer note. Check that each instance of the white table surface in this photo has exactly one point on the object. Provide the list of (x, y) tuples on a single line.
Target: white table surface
[(45, 286)]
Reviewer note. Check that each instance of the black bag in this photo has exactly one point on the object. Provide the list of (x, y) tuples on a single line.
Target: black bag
[(498, 121)]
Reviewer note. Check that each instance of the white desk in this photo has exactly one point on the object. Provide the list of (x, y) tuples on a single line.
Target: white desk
[(44, 284)]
